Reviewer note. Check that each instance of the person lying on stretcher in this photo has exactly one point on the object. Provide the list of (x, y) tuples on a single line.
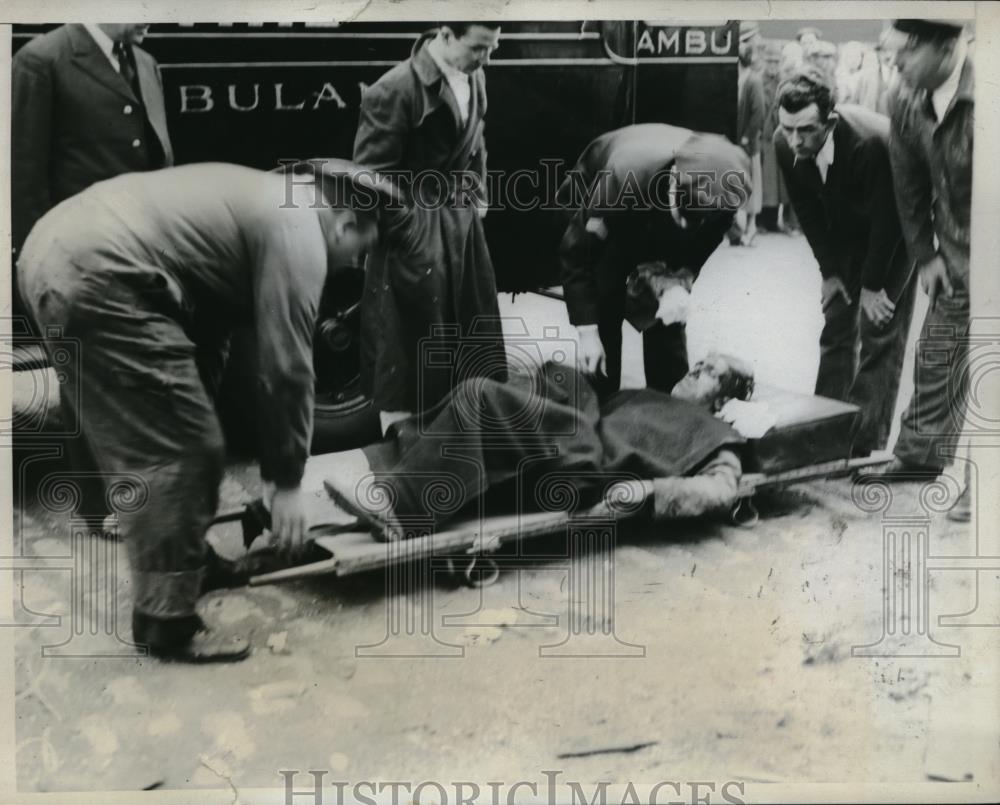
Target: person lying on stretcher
[(548, 433)]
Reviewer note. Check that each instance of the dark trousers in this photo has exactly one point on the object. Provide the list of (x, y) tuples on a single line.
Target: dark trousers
[(146, 419), (664, 353), (861, 363), (933, 421)]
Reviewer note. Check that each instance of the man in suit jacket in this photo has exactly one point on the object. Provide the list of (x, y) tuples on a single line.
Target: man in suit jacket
[(86, 105), (79, 116), (643, 193), (422, 124), (836, 165)]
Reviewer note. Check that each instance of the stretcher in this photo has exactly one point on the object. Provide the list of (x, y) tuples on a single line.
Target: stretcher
[(810, 439)]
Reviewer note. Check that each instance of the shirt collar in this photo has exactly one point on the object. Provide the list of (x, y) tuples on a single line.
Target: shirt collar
[(942, 97), (449, 72), (824, 157), (104, 42)]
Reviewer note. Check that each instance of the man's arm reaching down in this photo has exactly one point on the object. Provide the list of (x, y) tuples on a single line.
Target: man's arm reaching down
[(711, 490)]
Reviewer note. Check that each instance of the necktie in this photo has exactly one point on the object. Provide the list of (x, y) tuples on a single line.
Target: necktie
[(126, 67), (931, 112)]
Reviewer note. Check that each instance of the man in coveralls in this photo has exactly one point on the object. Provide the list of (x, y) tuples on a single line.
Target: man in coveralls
[(149, 273)]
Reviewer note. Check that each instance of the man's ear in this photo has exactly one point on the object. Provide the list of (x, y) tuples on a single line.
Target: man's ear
[(345, 221), (831, 120)]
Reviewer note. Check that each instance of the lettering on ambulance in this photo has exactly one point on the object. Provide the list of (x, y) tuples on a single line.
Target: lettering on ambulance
[(199, 98), (695, 42)]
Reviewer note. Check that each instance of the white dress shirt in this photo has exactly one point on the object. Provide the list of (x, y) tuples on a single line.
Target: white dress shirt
[(941, 97), (459, 82), (105, 43), (824, 159)]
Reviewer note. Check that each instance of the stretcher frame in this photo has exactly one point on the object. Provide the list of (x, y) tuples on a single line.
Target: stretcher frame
[(466, 548)]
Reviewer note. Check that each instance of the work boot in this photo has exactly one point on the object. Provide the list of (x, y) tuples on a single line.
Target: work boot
[(187, 639)]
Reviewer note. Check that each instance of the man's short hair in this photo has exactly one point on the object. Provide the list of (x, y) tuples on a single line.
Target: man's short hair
[(342, 192), (737, 383), (929, 31), (807, 86), (460, 29)]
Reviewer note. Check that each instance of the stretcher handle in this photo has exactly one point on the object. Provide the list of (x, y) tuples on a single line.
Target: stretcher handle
[(298, 572)]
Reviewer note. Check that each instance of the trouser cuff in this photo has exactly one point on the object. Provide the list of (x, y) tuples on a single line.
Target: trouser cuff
[(164, 632)]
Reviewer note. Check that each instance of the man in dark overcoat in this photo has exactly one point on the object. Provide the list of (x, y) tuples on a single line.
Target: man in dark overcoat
[(422, 124), (643, 193)]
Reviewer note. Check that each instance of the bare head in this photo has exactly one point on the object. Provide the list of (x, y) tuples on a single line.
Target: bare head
[(805, 111), (129, 33), (348, 208), (350, 235), (713, 381), (467, 46)]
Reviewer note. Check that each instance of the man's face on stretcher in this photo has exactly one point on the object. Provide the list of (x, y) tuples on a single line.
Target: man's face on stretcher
[(703, 384)]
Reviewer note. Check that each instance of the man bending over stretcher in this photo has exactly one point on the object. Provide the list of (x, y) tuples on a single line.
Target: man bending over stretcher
[(550, 430)]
